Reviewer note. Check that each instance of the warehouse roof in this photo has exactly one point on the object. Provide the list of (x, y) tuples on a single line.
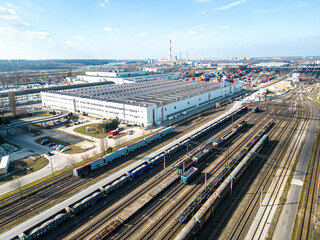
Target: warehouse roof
[(156, 92)]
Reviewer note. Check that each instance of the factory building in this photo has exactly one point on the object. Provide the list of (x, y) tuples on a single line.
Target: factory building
[(123, 77), (143, 103)]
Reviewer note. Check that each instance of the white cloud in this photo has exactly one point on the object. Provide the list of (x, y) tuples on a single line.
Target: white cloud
[(231, 5), (103, 4), (198, 37), (108, 29), (81, 38), (142, 34), (270, 10), (10, 21), (30, 35), (225, 27), (225, 7), (117, 29), (11, 5), (68, 44)]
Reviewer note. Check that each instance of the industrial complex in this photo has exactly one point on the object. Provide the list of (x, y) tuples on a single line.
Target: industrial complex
[(142, 103)]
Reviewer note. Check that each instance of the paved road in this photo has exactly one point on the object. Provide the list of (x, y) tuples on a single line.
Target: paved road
[(285, 223), (59, 160)]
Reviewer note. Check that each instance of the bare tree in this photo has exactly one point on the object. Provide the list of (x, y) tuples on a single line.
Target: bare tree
[(17, 78), (12, 102), (103, 145), (2, 79), (85, 157), (120, 141), (17, 183), (71, 159)]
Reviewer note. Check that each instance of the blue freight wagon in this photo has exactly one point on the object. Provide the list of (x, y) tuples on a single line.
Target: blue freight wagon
[(188, 175), (113, 155)]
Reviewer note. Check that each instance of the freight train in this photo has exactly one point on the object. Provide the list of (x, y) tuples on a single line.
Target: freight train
[(88, 167), (198, 201), (192, 228), (53, 221), (190, 160)]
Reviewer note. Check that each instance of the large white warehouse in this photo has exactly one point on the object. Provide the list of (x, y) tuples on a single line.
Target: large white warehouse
[(143, 102)]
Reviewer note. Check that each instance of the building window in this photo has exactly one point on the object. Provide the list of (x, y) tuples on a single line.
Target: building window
[(188, 103), (165, 109), (199, 99), (175, 107)]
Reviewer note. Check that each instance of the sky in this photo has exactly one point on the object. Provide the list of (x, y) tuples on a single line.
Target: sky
[(140, 29)]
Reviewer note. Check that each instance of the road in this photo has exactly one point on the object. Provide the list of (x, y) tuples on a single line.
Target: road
[(59, 160)]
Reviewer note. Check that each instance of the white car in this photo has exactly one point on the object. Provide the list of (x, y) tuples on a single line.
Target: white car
[(65, 149)]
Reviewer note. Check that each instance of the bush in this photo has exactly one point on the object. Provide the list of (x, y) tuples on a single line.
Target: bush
[(113, 124), (109, 149)]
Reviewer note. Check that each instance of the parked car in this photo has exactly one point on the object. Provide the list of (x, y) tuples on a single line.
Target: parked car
[(45, 141), (51, 144), (56, 146), (65, 149), (67, 125), (49, 153), (60, 147), (110, 136)]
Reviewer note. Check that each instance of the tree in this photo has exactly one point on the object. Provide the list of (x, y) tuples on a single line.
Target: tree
[(12, 102), (71, 159), (17, 183), (103, 145), (2, 79), (85, 157)]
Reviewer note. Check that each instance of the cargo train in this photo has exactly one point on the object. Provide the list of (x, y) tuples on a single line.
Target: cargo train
[(199, 154), (198, 201), (57, 219), (199, 219), (88, 167)]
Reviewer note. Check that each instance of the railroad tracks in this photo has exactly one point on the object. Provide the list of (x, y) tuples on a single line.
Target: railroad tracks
[(247, 213), (305, 230), (237, 229), (166, 216), (95, 225)]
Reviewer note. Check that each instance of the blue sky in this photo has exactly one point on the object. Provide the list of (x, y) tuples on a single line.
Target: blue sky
[(123, 29)]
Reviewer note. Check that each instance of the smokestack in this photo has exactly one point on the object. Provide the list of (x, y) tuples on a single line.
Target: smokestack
[(187, 55)]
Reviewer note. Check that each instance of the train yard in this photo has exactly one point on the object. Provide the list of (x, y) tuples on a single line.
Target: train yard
[(224, 181)]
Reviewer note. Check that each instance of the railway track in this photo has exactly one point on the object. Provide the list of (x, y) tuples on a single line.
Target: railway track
[(12, 211), (152, 230), (276, 133), (238, 230), (311, 195), (96, 224)]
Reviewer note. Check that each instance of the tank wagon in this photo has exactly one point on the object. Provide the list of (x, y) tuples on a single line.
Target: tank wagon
[(88, 167), (81, 205), (203, 214)]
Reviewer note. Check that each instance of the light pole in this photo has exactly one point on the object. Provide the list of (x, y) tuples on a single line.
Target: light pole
[(51, 167), (205, 178)]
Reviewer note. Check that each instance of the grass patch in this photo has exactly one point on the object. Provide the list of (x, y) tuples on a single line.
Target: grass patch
[(75, 149), (25, 166), (94, 130)]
